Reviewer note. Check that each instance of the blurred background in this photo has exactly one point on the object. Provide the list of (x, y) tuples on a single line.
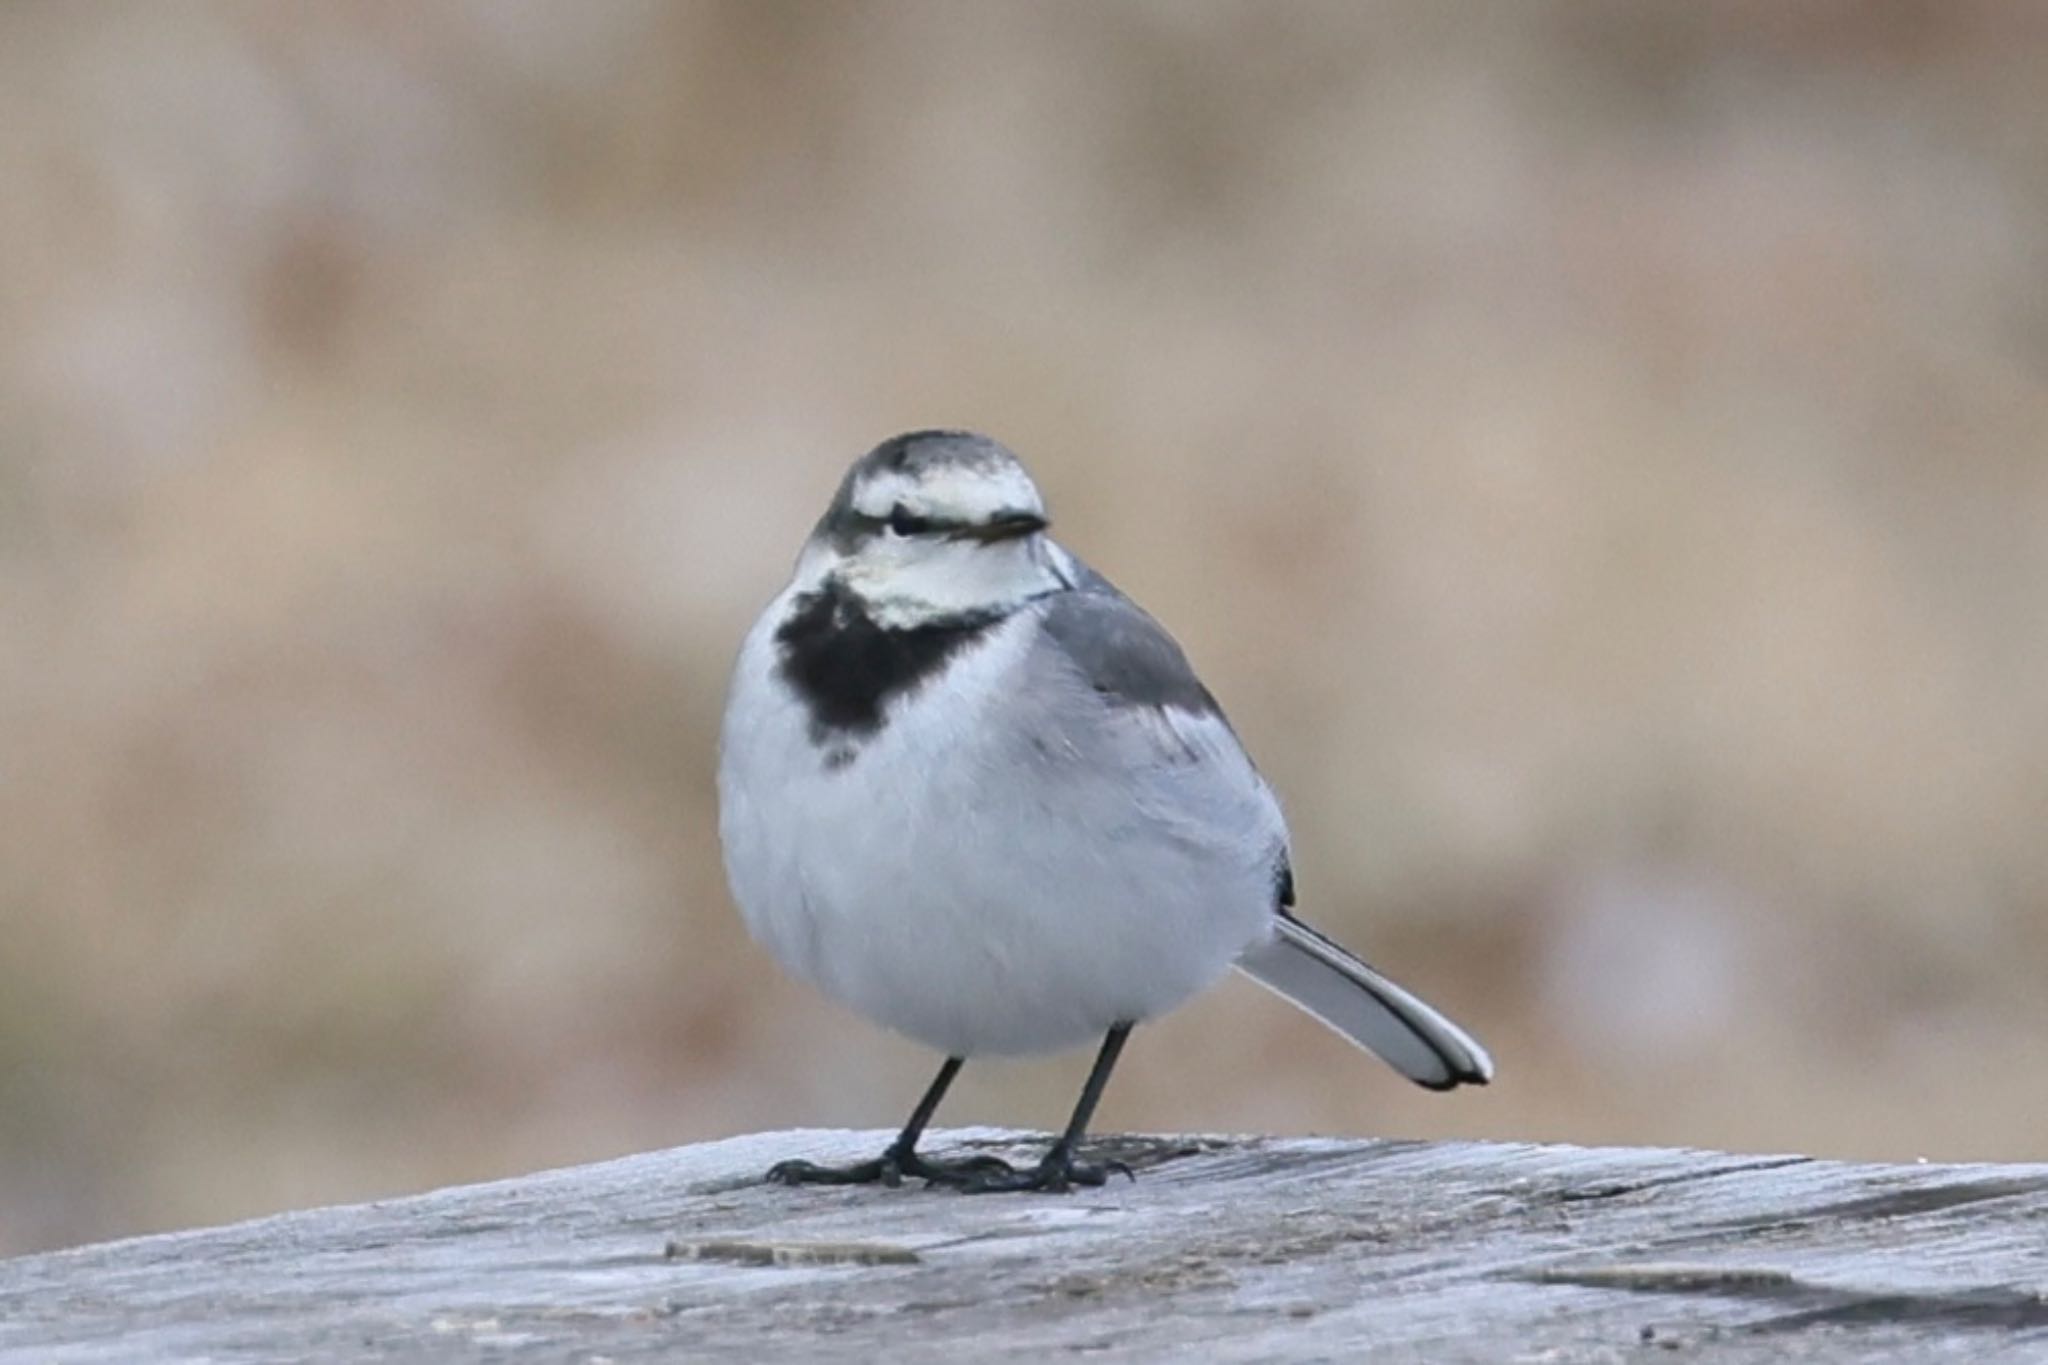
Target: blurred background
[(1595, 451)]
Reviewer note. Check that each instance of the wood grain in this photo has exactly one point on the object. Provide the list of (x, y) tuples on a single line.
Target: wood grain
[(1222, 1249)]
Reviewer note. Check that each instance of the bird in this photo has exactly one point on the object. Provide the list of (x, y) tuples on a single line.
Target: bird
[(971, 791)]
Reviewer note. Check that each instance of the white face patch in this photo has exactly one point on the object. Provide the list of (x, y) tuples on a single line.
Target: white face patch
[(910, 581), (907, 579), (965, 493)]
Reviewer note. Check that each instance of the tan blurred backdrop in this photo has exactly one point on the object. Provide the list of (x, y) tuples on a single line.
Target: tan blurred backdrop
[(1596, 452)]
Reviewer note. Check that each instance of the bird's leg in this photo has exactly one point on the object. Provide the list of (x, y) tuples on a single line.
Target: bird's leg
[(1058, 1171), (901, 1158)]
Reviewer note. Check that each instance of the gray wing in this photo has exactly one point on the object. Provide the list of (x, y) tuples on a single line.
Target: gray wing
[(1125, 655), (1115, 702), (1130, 661)]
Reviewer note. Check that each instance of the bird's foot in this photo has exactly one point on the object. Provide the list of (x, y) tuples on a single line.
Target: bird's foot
[(962, 1173), (811, 1173), (891, 1168), (1056, 1174)]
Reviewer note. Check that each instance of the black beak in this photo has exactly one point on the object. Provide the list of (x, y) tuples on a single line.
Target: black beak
[(1006, 526)]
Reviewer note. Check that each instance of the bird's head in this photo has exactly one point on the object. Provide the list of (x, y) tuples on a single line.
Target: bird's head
[(935, 525)]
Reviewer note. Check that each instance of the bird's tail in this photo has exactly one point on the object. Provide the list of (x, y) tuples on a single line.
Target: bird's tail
[(1328, 982)]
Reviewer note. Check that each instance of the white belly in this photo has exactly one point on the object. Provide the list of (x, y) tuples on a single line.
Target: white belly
[(971, 879)]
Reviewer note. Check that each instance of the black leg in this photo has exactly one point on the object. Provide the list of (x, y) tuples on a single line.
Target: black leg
[(1058, 1171), (901, 1158)]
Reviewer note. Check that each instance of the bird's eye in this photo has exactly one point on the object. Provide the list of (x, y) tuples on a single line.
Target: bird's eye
[(903, 522)]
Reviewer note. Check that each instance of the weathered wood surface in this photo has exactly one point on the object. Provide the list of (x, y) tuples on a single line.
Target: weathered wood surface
[(1221, 1250)]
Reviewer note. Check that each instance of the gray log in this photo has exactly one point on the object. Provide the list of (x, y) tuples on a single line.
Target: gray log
[(1221, 1249)]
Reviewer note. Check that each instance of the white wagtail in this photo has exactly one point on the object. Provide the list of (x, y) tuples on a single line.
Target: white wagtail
[(971, 790)]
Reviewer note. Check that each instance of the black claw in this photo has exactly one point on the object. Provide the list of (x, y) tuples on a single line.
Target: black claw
[(890, 1169), (1057, 1174), (811, 1173), (982, 1174), (965, 1171)]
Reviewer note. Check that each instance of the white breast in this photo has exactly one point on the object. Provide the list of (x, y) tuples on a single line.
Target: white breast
[(1009, 864)]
